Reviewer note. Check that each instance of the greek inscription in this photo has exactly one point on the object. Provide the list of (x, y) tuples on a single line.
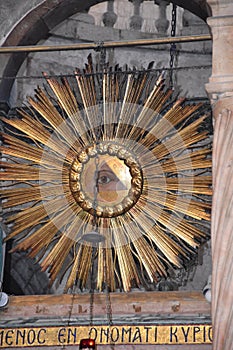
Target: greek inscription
[(67, 335), (173, 335), (144, 334), (104, 335), (126, 335), (185, 333), (137, 336), (23, 337), (93, 333), (114, 334), (196, 331), (147, 329)]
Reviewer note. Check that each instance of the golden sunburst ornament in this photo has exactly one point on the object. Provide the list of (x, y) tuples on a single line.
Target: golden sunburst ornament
[(106, 153)]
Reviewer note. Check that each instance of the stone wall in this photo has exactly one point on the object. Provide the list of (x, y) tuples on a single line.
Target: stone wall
[(193, 63), (193, 59)]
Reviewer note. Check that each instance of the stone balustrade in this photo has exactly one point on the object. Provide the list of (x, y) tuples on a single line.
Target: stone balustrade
[(146, 16), (134, 15)]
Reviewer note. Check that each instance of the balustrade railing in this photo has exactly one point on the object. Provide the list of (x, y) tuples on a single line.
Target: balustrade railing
[(146, 16), (140, 15)]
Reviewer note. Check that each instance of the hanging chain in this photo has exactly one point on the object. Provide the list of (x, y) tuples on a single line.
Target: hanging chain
[(102, 58), (106, 281), (92, 290), (95, 192), (108, 299), (173, 45), (95, 229), (102, 65)]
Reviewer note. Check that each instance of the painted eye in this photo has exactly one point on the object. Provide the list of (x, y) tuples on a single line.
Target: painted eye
[(105, 177), (104, 180)]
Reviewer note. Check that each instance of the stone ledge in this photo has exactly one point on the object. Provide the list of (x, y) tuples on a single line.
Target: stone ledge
[(142, 307)]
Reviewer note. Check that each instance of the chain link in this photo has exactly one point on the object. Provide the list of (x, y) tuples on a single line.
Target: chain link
[(95, 193), (173, 45), (92, 290), (108, 300)]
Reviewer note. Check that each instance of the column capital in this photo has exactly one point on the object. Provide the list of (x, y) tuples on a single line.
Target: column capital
[(221, 80), (221, 7), (219, 87), (220, 103)]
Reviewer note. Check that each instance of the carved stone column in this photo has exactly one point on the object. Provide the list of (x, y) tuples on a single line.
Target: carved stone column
[(110, 17), (162, 22), (220, 89), (136, 20)]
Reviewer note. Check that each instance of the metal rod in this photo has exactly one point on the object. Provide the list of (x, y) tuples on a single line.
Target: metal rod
[(107, 44)]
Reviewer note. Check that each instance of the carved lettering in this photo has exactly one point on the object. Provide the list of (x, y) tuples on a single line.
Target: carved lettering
[(20, 337), (126, 335), (185, 333), (196, 331), (104, 335), (41, 336), (61, 335), (67, 335), (210, 335), (93, 333), (147, 333), (72, 335), (114, 334), (156, 334), (31, 336), (207, 334), (173, 334), (137, 335), (9, 338), (55, 336)]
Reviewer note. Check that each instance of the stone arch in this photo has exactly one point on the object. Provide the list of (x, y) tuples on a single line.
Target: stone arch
[(23, 276), (37, 23), (32, 28), (197, 7)]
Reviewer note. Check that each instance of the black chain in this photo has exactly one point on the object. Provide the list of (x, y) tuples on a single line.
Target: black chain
[(173, 45), (102, 65), (108, 299), (95, 192), (92, 290), (103, 54)]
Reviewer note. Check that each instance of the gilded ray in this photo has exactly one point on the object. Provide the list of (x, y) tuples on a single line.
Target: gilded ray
[(111, 154)]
